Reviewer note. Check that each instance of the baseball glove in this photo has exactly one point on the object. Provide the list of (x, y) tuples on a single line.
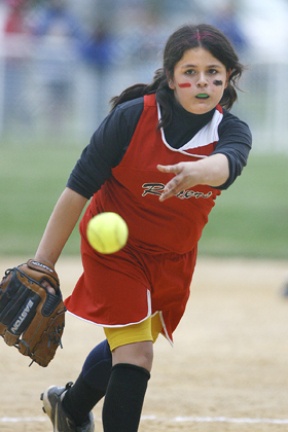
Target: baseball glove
[(32, 318)]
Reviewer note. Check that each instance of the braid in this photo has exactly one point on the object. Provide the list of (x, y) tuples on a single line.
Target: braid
[(159, 86), (133, 92), (138, 90)]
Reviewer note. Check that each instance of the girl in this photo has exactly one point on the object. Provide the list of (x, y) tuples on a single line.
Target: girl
[(159, 159)]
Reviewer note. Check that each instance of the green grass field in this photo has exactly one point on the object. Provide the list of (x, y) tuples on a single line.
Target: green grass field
[(249, 220)]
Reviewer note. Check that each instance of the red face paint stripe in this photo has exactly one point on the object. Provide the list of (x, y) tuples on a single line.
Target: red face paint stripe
[(183, 85)]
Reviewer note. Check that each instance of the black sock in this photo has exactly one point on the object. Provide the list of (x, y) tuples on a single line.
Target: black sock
[(91, 384), (80, 399), (124, 398)]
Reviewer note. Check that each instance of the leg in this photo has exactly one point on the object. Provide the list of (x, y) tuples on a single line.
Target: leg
[(124, 384), (90, 385), (140, 354), (71, 407), (127, 386)]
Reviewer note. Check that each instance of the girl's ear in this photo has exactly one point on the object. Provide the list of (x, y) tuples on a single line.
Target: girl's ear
[(171, 84)]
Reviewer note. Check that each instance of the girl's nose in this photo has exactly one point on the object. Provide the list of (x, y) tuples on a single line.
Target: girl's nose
[(202, 80)]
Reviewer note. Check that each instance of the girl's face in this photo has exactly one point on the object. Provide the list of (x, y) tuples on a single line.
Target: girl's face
[(199, 81)]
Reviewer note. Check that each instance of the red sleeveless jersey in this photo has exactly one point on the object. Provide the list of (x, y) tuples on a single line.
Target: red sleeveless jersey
[(153, 272), (135, 186)]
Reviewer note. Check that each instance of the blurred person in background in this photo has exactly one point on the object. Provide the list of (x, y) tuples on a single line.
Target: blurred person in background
[(159, 159), (226, 19), (16, 61), (16, 22), (99, 55), (55, 17), (59, 34), (97, 49)]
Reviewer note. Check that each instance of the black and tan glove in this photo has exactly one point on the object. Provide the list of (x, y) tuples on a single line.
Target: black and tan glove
[(32, 318)]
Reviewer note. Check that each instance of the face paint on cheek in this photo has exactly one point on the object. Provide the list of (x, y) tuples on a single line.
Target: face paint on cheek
[(184, 85), (218, 83)]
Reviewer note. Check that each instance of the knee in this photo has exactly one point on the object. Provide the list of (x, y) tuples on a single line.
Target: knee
[(139, 354)]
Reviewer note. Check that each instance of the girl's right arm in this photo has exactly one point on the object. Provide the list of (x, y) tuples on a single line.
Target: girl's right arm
[(60, 226)]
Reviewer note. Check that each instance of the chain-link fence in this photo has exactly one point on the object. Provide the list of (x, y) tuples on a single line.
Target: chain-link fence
[(61, 62)]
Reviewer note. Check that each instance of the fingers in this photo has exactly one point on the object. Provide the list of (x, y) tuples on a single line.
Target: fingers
[(174, 169), (185, 176), (165, 195), (49, 288), (171, 188)]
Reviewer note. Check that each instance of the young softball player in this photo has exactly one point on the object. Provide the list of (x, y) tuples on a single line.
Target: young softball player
[(159, 159)]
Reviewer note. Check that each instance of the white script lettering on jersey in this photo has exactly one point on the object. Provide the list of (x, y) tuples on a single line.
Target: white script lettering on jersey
[(157, 188)]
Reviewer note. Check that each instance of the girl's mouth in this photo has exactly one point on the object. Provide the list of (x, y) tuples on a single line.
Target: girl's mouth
[(202, 96)]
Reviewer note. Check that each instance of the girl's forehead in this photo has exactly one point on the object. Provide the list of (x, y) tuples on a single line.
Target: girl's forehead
[(198, 56)]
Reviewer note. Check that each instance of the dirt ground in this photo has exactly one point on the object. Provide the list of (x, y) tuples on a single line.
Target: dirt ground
[(227, 371)]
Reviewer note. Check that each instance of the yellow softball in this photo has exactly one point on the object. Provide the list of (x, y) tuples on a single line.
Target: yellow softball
[(107, 232)]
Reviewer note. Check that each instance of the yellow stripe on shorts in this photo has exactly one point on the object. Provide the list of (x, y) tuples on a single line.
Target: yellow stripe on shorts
[(147, 330)]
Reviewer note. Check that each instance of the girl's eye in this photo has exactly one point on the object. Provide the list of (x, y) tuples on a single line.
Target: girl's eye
[(190, 72), (212, 71)]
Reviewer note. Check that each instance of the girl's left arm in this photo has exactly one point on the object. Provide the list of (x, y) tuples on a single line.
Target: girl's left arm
[(60, 226), (212, 170)]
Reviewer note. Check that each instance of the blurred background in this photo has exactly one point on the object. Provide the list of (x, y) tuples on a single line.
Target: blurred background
[(61, 61)]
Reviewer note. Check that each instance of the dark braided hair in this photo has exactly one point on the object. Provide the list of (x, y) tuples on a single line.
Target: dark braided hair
[(183, 39)]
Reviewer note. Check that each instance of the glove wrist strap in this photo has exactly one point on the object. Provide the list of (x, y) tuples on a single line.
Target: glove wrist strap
[(39, 266)]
